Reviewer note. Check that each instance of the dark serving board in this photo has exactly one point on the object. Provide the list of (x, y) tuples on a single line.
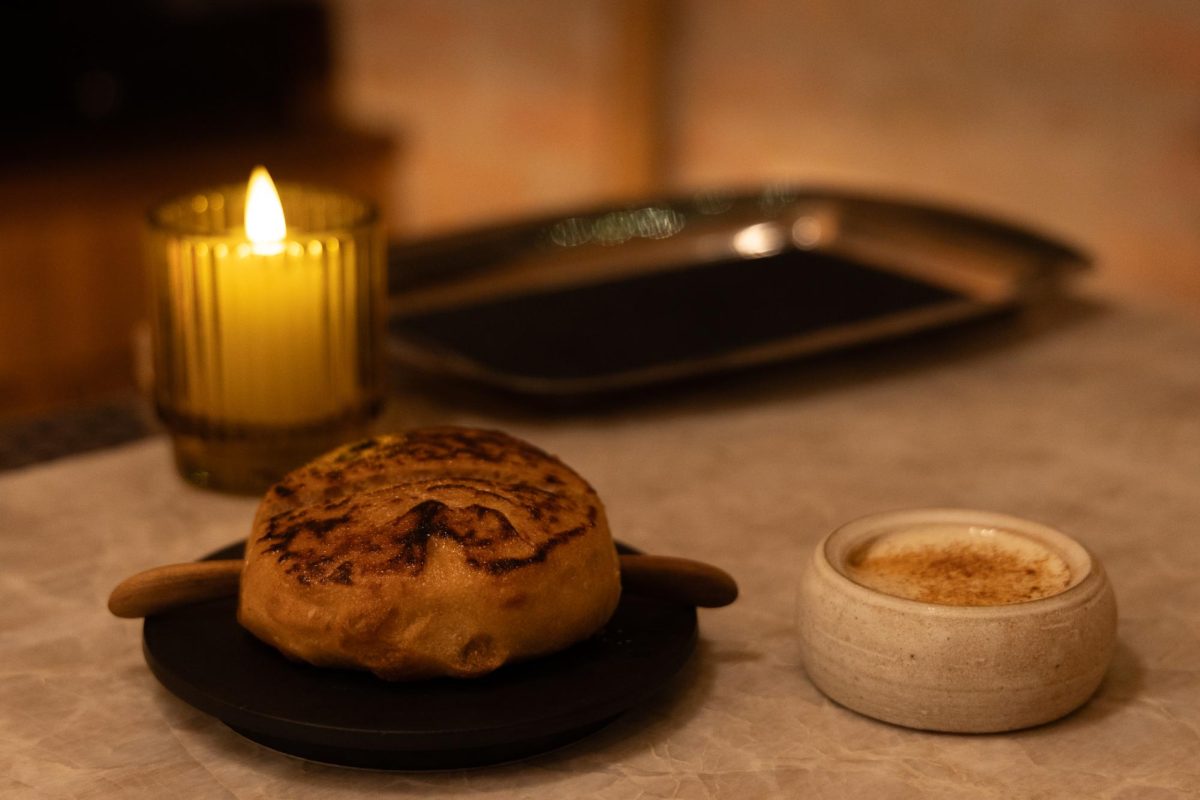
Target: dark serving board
[(350, 718), (615, 298)]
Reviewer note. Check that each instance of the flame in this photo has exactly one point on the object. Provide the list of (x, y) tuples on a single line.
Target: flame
[(265, 226)]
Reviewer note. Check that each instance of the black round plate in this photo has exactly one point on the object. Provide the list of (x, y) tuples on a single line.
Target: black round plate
[(201, 654)]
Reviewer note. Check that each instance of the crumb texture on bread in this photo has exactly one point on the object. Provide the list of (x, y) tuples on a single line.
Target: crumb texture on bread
[(441, 551)]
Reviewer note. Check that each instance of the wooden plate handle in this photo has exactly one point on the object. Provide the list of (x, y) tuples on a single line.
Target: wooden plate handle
[(681, 579), (174, 585)]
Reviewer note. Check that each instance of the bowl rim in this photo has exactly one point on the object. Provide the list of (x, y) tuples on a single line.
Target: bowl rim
[(1089, 581)]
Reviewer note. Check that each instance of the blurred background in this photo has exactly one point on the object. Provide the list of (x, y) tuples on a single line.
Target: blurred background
[(1078, 117)]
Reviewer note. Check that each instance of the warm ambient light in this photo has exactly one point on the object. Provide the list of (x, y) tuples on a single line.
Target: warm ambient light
[(758, 241), (265, 226)]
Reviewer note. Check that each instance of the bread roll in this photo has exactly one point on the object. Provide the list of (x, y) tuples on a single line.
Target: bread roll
[(442, 551)]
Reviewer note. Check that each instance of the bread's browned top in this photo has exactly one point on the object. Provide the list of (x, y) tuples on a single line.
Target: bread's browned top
[(384, 460), (377, 507)]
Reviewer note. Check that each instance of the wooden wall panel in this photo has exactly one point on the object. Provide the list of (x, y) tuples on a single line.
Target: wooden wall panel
[(1082, 116)]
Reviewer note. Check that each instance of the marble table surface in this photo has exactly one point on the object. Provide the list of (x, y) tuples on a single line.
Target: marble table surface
[(1087, 419)]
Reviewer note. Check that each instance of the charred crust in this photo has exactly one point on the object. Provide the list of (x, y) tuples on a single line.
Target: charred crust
[(448, 444), (317, 527), (341, 574), (501, 566), (324, 534), (350, 452), (281, 539), (488, 540)]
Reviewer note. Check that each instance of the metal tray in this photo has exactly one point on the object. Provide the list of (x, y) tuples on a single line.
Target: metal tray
[(616, 298)]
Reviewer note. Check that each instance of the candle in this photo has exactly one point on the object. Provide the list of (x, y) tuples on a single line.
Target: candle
[(284, 334), (266, 333)]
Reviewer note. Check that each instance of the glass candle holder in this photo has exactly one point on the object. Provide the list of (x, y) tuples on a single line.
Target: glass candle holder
[(266, 354)]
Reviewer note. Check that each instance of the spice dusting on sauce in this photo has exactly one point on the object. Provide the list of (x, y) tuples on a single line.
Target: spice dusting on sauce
[(959, 566)]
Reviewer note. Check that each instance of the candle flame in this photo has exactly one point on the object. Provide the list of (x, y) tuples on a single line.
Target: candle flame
[(265, 226)]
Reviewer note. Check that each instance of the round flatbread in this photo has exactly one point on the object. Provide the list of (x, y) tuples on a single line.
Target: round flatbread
[(441, 551)]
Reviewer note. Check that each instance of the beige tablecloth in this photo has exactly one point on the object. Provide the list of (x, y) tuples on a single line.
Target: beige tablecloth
[(1091, 424)]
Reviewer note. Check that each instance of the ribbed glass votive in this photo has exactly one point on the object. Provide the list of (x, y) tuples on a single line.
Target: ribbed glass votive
[(265, 354)]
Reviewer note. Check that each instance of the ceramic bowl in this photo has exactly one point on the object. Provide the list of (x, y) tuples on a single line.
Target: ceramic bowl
[(963, 669)]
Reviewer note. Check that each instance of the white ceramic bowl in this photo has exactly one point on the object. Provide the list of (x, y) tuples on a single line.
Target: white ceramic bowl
[(964, 669)]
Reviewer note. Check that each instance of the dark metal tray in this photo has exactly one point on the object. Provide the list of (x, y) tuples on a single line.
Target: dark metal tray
[(616, 298)]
